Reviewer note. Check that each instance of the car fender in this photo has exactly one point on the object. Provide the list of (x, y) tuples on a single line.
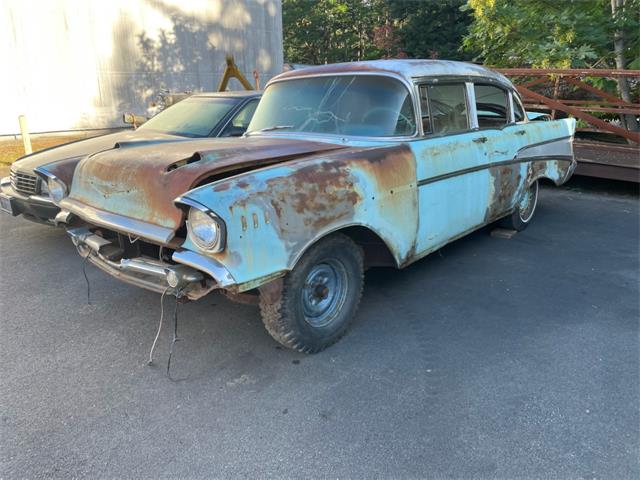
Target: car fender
[(274, 214)]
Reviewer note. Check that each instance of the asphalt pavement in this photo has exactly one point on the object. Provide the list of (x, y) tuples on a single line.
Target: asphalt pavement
[(493, 358)]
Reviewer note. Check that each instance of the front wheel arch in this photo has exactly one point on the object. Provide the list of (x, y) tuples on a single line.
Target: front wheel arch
[(377, 252)]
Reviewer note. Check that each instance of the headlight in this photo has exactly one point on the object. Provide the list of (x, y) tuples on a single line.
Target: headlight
[(44, 190), (206, 230), (57, 189)]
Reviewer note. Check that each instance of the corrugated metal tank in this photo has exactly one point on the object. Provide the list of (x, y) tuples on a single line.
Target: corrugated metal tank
[(72, 64)]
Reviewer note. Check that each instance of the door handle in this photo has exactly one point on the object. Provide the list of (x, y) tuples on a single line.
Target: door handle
[(480, 139), (521, 132)]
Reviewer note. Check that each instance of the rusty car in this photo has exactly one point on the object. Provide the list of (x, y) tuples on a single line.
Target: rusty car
[(217, 114), (343, 167)]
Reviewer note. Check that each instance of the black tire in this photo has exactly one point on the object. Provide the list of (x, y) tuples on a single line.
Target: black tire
[(292, 318), (521, 217)]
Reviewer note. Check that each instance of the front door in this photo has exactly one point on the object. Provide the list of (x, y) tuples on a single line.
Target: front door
[(453, 182)]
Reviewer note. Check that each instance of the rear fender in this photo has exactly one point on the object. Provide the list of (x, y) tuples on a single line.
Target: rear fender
[(549, 151)]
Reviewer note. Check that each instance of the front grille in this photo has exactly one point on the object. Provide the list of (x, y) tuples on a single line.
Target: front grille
[(23, 182)]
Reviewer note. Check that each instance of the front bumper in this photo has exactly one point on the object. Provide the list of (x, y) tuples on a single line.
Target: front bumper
[(36, 208), (192, 275)]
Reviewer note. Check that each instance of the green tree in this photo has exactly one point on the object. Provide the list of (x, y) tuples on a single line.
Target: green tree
[(431, 29), (548, 33), (326, 31)]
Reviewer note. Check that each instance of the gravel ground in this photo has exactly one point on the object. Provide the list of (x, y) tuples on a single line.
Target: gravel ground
[(494, 359)]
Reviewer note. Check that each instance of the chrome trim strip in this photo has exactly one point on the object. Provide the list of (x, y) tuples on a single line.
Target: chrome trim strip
[(477, 168), (205, 264), (472, 112), (126, 225), (192, 203)]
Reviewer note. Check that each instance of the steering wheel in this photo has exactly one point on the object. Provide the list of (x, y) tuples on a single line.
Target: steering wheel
[(391, 111)]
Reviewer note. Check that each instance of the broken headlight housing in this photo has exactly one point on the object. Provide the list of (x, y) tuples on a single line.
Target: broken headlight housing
[(206, 230)]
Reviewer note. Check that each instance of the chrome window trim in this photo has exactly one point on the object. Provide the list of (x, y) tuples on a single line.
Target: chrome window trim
[(474, 124), (407, 84), (515, 98)]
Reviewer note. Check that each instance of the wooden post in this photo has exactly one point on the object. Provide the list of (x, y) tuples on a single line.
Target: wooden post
[(556, 90), (24, 132)]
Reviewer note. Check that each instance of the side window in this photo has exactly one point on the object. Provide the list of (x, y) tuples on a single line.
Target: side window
[(238, 124), (518, 109), (492, 106), (446, 110)]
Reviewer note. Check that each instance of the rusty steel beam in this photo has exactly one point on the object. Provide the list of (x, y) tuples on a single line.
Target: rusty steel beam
[(536, 81), (599, 72), (594, 90), (601, 102), (586, 108), (556, 105)]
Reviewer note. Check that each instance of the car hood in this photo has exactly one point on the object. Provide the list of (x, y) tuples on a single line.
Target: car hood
[(142, 182), (88, 146)]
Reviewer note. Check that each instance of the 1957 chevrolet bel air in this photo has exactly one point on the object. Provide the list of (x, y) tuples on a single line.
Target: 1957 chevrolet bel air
[(343, 167)]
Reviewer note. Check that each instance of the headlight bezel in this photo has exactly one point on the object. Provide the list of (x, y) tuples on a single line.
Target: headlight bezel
[(197, 215), (57, 189)]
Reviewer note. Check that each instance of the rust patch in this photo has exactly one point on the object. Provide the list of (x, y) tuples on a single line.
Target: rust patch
[(505, 181), (314, 195), (134, 181)]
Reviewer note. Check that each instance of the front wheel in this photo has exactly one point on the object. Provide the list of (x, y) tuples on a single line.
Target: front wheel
[(319, 297), (525, 208)]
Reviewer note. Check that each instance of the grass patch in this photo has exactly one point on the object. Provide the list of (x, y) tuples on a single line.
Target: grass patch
[(11, 150)]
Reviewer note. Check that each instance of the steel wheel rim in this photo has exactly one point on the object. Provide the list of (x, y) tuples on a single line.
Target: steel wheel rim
[(324, 292), (528, 202)]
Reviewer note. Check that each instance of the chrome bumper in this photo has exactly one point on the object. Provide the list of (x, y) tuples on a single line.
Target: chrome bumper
[(148, 273)]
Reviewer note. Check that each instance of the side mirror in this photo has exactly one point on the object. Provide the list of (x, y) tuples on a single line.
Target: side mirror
[(133, 119)]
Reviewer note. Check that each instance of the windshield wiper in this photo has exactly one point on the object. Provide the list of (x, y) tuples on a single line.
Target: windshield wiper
[(270, 129)]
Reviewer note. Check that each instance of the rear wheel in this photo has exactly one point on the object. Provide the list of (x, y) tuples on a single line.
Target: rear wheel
[(525, 208), (319, 297)]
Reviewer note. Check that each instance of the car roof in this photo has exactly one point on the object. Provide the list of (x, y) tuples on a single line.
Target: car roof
[(231, 94), (408, 69)]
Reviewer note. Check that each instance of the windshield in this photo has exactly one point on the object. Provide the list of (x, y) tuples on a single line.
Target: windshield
[(358, 105), (192, 117)]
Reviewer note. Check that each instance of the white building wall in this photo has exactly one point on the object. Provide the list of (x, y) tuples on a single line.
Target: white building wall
[(73, 64)]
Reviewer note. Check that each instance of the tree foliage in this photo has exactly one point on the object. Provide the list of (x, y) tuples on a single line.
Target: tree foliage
[(550, 33), (327, 31)]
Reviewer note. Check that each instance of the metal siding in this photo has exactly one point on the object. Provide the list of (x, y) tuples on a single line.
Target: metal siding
[(73, 65)]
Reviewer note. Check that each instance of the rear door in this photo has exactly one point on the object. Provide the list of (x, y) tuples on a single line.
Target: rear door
[(503, 139)]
